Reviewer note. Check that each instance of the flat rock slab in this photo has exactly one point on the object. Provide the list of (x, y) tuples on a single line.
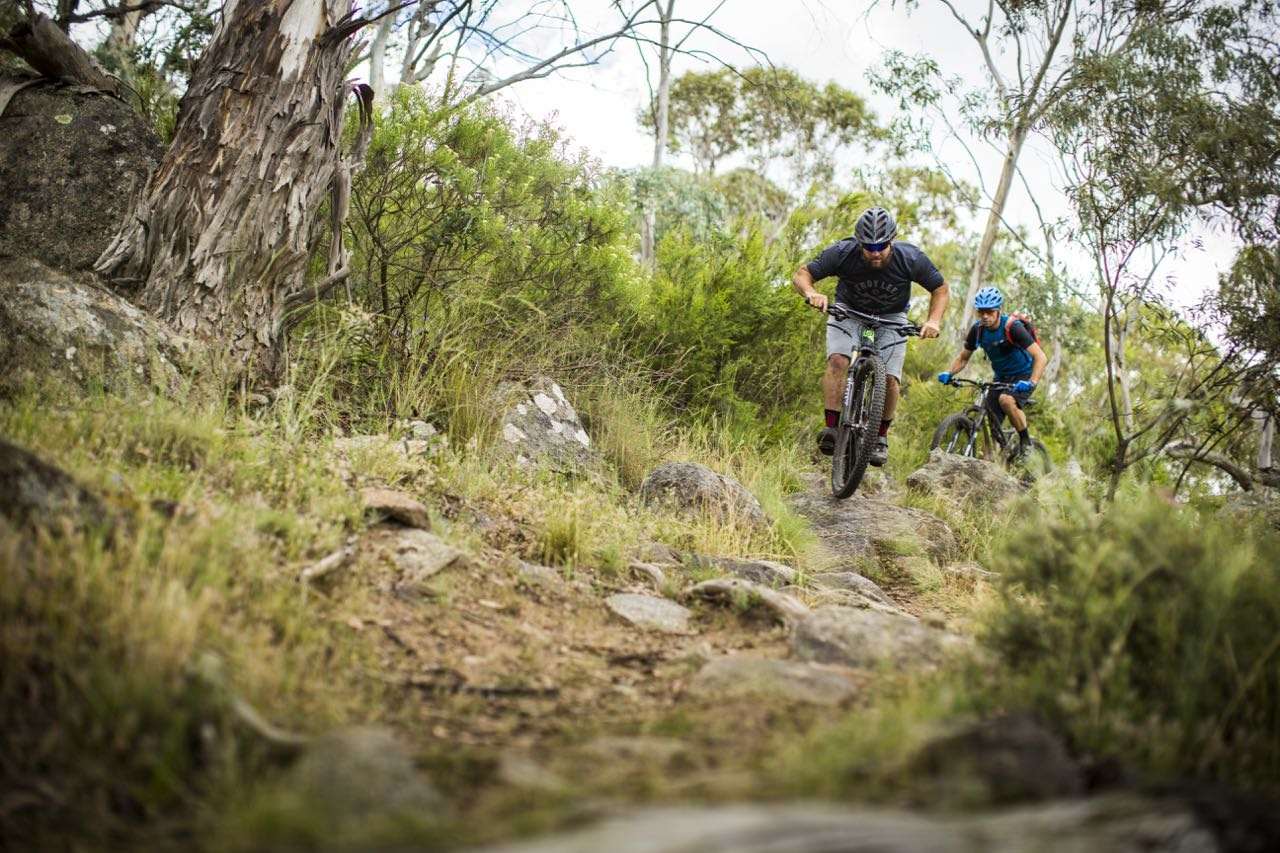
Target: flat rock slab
[(1116, 824), (537, 576), (853, 582), (651, 612), (867, 528), (420, 555), (964, 479), (871, 638), (350, 774), (765, 572), (736, 592), (743, 676), (396, 506)]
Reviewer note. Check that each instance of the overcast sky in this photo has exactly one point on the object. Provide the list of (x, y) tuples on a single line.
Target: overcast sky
[(823, 40)]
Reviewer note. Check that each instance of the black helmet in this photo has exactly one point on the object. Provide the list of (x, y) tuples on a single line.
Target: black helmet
[(875, 226)]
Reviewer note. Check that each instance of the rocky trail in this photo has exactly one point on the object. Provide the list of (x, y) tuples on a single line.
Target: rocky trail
[(648, 705), (673, 684)]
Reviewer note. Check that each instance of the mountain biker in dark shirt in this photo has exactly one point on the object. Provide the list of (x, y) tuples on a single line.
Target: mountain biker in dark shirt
[(1015, 357), (875, 275)]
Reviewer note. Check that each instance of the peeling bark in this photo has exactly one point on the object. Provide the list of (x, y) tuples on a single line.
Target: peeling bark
[(218, 242)]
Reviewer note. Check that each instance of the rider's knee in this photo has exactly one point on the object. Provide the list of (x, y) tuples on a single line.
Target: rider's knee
[(838, 361), (1007, 403)]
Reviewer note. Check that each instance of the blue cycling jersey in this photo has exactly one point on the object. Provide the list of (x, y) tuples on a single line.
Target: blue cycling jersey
[(1006, 350)]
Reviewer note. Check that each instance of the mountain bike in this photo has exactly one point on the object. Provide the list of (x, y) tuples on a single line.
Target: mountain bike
[(974, 432), (863, 402)]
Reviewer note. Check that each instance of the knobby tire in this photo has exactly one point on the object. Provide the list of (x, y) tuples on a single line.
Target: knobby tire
[(953, 434), (859, 427)]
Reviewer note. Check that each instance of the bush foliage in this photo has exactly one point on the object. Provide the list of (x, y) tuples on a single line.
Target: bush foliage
[(1150, 633)]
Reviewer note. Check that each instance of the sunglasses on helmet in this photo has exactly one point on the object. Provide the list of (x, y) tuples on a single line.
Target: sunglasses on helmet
[(876, 247)]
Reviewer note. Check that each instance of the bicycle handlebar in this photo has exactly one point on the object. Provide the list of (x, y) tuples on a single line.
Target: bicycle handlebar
[(842, 313), (958, 382)]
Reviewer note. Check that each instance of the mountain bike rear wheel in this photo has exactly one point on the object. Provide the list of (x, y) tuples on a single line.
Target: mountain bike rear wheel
[(953, 435), (859, 427), (1030, 465)]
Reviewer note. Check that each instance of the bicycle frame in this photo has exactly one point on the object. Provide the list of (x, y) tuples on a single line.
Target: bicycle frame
[(860, 414), (982, 417)]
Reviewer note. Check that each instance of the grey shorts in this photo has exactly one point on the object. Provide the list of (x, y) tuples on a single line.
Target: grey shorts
[(844, 335)]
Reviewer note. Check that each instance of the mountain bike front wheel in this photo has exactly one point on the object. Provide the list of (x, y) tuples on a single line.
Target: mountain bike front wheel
[(954, 435), (859, 427)]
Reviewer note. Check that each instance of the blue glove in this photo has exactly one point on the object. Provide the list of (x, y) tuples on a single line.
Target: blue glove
[(1024, 386), (944, 378)]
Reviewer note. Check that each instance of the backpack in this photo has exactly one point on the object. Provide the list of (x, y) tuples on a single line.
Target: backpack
[(1025, 320)]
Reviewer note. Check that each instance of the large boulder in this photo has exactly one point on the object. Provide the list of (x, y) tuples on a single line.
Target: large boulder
[(696, 489), (865, 528), (965, 479), (52, 323), (70, 163), (540, 426), (871, 638), (35, 494), (1007, 759)]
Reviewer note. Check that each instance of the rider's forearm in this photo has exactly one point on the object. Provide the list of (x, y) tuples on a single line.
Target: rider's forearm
[(961, 361), (802, 281), (938, 300), (1038, 362)]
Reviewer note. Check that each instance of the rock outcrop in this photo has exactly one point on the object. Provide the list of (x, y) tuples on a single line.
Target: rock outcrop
[(696, 489), (540, 426), (70, 164), (869, 528), (64, 325), (964, 479)]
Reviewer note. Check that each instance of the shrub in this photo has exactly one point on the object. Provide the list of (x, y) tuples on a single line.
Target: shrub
[(1148, 633)]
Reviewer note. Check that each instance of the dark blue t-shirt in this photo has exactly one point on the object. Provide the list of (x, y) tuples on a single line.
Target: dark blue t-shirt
[(1008, 360), (875, 291)]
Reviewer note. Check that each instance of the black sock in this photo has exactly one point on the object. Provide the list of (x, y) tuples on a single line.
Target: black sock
[(833, 418), (884, 427), (1024, 437)]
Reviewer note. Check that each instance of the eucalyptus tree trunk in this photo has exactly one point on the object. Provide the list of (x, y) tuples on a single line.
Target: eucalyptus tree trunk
[(122, 36), (995, 218), (218, 242), (661, 125)]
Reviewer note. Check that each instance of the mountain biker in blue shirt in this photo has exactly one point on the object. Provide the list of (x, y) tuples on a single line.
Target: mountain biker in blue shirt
[(1015, 357), (875, 275)]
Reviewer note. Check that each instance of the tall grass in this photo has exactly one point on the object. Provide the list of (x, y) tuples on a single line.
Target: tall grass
[(123, 653)]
